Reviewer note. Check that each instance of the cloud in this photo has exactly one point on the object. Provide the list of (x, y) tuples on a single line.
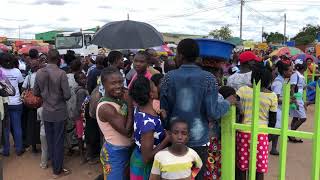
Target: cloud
[(27, 26), (50, 2), (180, 16), (9, 19), (215, 22), (103, 20), (104, 7), (63, 19), (4, 28), (311, 20)]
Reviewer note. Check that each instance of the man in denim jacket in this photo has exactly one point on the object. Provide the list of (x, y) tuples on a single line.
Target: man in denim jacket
[(189, 93)]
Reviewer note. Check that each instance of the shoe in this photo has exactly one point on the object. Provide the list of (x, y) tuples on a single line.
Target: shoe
[(21, 152), (100, 177), (5, 154), (294, 140), (83, 161), (64, 172), (43, 166), (274, 152), (93, 161), (35, 151)]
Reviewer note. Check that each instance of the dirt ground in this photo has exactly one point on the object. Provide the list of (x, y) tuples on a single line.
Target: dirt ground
[(27, 167)]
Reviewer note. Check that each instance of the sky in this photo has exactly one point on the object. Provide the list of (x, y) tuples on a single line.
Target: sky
[(174, 16)]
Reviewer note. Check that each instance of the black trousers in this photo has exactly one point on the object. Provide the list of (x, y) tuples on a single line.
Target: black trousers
[(55, 141), (203, 153)]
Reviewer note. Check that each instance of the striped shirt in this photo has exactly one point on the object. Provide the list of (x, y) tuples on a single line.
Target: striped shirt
[(169, 166), (268, 102)]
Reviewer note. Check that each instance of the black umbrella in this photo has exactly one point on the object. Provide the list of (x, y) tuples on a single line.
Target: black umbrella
[(127, 35)]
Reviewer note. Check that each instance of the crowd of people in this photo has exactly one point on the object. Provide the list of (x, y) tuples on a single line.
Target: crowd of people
[(143, 118)]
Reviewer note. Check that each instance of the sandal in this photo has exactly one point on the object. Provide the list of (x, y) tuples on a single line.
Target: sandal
[(294, 140), (64, 172)]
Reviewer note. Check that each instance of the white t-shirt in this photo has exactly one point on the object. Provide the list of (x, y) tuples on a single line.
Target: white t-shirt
[(27, 79), (300, 82), (15, 77)]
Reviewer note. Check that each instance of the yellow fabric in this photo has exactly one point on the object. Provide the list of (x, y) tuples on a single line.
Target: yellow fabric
[(268, 102)]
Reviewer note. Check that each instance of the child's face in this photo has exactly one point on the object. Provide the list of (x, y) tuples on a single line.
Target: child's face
[(179, 134)]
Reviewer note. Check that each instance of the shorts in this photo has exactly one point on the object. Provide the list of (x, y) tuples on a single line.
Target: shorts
[(300, 112), (79, 128), (243, 155)]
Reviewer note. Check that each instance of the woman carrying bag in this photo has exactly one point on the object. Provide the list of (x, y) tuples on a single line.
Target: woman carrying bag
[(32, 103)]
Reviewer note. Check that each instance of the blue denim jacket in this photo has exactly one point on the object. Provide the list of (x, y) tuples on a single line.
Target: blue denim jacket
[(189, 93)]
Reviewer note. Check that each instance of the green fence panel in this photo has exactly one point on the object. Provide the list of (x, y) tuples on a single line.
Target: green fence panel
[(306, 77), (254, 131), (314, 73), (284, 130), (316, 139), (228, 145), (229, 127)]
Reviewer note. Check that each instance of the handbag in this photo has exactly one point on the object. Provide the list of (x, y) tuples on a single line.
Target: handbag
[(29, 99)]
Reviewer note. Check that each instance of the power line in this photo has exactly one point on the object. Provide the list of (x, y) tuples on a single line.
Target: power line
[(259, 13), (281, 2), (195, 12)]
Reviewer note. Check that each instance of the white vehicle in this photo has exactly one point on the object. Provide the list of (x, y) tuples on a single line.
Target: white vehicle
[(79, 42)]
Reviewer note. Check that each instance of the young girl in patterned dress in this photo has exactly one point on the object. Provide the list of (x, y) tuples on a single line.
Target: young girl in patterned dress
[(149, 134)]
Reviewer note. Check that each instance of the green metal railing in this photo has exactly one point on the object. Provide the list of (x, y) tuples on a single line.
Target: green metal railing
[(229, 127)]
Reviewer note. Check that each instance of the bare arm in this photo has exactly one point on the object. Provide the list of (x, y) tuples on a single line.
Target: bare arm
[(108, 113), (154, 177), (147, 150)]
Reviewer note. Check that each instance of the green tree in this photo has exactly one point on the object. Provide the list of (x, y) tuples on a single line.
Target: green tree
[(224, 33), (307, 35), (273, 37)]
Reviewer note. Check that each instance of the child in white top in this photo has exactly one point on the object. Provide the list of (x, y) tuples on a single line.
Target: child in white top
[(298, 83), (177, 161)]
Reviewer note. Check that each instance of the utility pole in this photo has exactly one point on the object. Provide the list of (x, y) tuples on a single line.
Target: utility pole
[(285, 28), (262, 34), (128, 17), (241, 10)]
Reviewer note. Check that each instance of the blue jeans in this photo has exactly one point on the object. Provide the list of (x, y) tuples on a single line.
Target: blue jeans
[(15, 112)]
